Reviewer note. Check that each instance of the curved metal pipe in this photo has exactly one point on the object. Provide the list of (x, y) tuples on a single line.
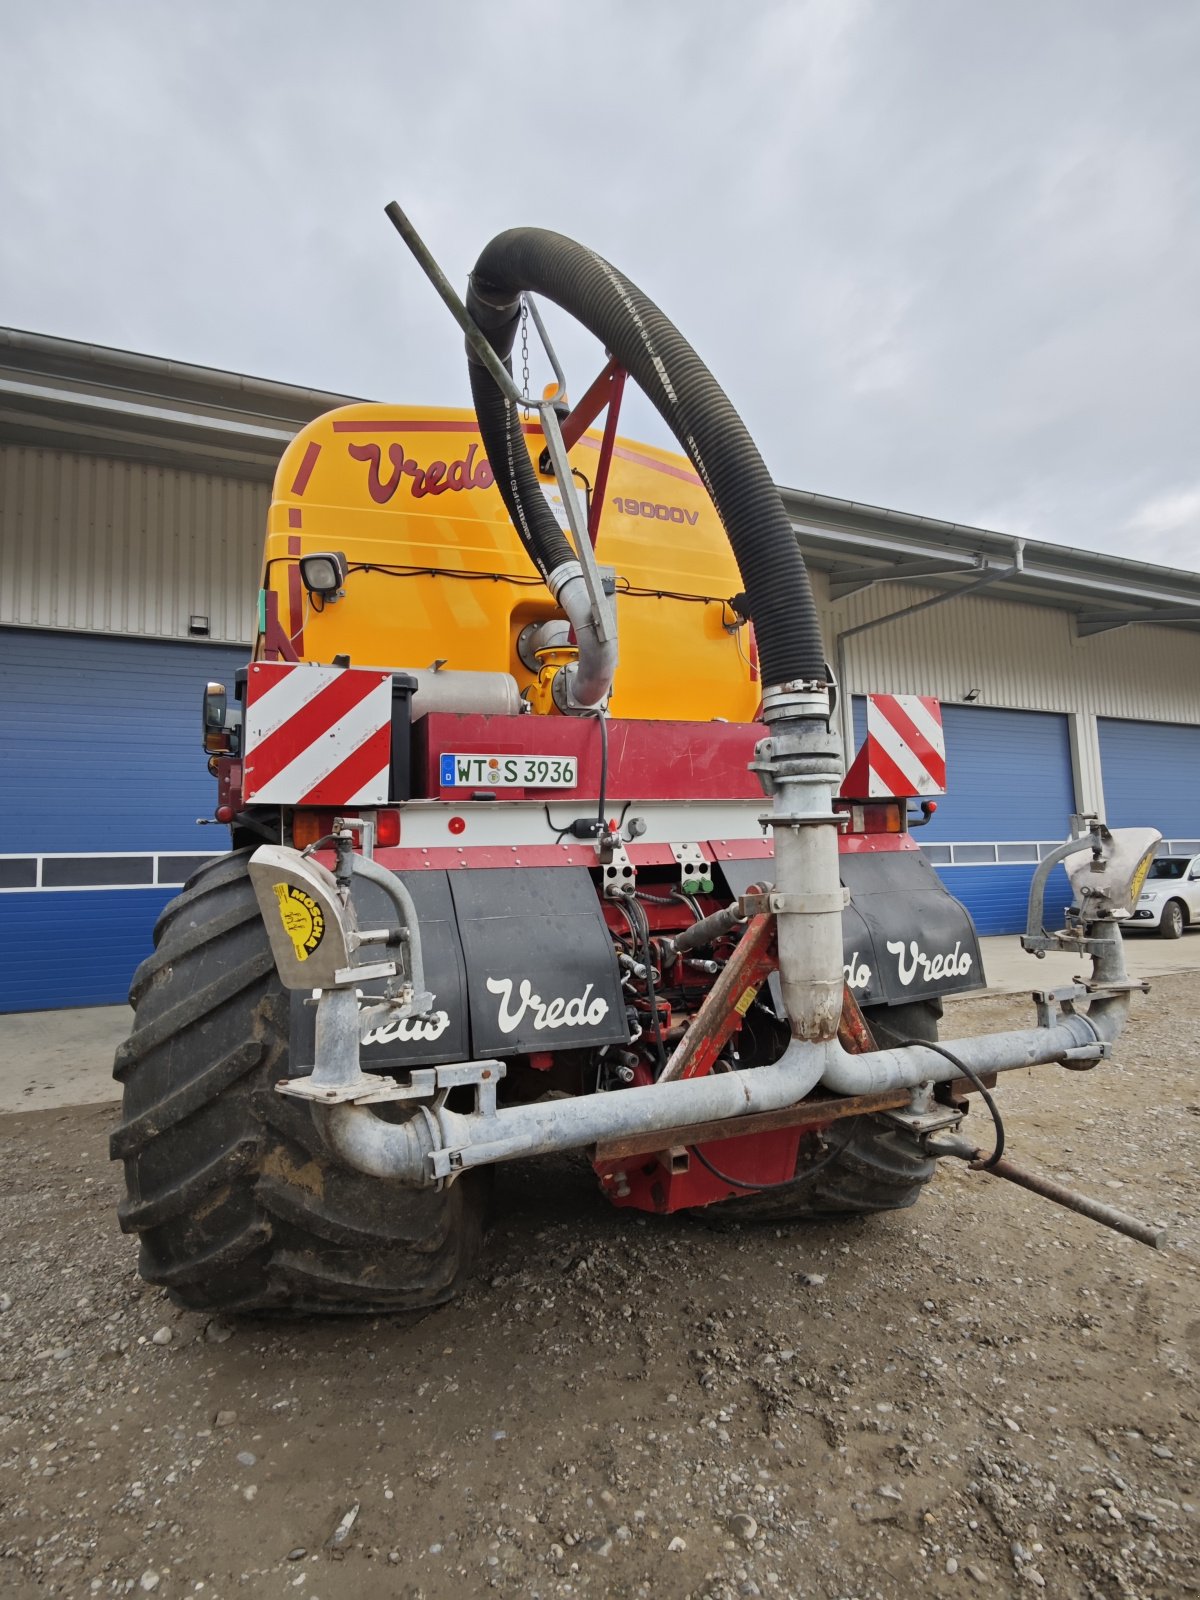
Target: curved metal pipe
[(412, 959), (399, 1150), (590, 678), (394, 1150), (406, 1151)]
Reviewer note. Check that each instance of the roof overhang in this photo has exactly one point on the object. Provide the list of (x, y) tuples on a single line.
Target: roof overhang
[(58, 394), (88, 398), (859, 546)]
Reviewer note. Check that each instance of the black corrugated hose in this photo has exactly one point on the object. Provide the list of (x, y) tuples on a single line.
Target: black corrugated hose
[(689, 399)]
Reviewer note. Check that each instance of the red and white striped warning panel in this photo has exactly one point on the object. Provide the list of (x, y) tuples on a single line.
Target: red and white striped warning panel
[(904, 752), (317, 736)]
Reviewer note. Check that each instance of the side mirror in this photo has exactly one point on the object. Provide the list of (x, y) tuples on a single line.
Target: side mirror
[(214, 708)]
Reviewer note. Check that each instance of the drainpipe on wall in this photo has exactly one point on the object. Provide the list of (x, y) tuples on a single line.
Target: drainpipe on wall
[(1086, 768), (845, 694)]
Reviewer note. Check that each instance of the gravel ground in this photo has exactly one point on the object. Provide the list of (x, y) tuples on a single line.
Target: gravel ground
[(984, 1395)]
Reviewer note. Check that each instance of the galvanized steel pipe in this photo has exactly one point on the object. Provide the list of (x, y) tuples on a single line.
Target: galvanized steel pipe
[(405, 1151)]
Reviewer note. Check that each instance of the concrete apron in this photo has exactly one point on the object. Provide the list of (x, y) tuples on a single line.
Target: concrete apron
[(64, 1058), (1011, 970)]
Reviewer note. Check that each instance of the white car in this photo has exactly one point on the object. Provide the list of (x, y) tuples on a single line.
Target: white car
[(1170, 899)]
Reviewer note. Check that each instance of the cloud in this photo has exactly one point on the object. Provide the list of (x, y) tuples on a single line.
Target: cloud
[(943, 258), (1171, 524)]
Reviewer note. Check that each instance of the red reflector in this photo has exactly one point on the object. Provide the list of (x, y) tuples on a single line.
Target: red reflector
[(387, 827), (930, 806), (457, 825), (224, 813)]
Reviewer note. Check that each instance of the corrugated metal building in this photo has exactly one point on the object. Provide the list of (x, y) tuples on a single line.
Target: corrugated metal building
[(133, 495)]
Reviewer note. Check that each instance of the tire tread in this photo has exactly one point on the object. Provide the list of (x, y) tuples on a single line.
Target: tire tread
[(239, 1205)]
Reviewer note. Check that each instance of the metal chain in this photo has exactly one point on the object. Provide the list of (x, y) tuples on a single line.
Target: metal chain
[(525, 412)]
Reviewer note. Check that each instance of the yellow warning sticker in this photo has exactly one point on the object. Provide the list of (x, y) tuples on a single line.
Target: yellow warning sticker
[(1139, 877), (747, 1000), (302, 918)]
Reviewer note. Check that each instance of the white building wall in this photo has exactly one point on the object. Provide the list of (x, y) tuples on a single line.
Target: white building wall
[(1023, 656), (100, 545), (94, 544)]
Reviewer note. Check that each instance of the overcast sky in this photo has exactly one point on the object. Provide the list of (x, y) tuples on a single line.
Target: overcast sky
[(944, 255)]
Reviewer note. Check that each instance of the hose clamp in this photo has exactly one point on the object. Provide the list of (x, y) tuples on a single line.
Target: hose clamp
[(794, 905), (561, 575), (801, 819)]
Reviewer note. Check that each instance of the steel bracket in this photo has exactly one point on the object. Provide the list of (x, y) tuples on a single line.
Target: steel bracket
[(695, 869), (1109, 990), (617, 871), (1051, 1003), (1084, 1056), (344, 976), (922, 1123), (425, 1086)]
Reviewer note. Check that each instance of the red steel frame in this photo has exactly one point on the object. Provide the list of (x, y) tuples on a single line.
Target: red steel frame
[(606, 390)]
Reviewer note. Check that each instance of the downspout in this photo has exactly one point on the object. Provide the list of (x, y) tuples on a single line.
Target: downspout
[(846, 704)]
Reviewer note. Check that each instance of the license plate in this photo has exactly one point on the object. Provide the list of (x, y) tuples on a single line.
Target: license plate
[(508, 772)]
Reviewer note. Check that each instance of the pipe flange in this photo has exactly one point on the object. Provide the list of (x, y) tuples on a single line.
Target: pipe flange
[(562, 692), (552, 634), (804, 699), (437, 1149)]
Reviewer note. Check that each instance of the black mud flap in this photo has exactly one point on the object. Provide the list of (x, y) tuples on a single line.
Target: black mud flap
[(907, 930), (904, 935), (541, 970), (517, 959)]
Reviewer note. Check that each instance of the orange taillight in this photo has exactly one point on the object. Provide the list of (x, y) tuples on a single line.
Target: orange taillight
[(309, 826)]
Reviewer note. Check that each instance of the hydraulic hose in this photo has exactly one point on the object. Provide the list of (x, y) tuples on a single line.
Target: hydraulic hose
[(690, 401)]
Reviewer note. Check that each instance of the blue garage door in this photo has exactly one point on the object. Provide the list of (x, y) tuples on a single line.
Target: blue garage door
[(104, 780), (1009, 798), (1151, 776)]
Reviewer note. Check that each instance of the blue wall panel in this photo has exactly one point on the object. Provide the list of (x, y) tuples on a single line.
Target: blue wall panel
[(1151, 775), (1008, 778), (997, 897), (101, 742), (74, 949), (102, 737)]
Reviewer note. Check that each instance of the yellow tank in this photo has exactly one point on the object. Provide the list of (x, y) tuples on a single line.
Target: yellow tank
[(436, 571)]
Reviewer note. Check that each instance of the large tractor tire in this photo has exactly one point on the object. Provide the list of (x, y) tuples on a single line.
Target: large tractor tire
[(859, 1164), (238, 1204)]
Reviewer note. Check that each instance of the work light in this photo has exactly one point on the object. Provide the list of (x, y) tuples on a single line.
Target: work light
[(324, 573)]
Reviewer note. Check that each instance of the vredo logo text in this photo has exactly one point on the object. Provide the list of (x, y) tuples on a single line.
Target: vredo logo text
[(580, 1011), (911, 960)]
